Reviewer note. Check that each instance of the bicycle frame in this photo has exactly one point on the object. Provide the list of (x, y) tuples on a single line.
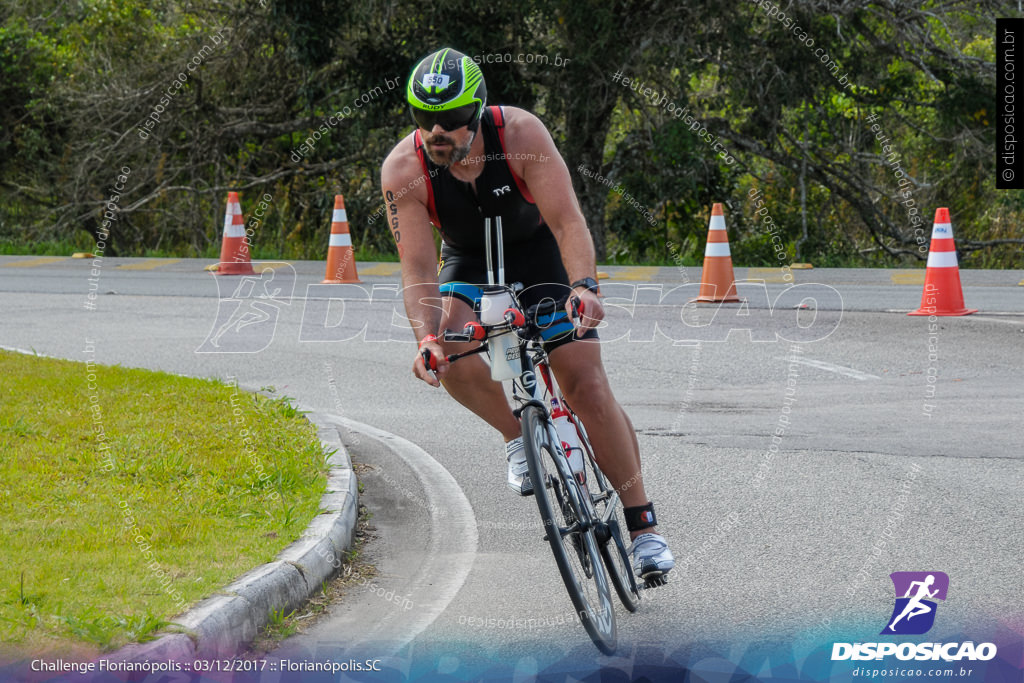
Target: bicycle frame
[(529, 389), (534, 387)]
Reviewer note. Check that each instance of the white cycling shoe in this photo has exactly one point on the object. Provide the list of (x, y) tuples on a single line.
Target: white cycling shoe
[(651, 556), (518, 471)]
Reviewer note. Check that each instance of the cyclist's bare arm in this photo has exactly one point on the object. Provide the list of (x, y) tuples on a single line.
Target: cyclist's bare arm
[(537, 161), (405, 199)]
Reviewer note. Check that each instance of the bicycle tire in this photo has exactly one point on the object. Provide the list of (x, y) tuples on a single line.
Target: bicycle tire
[(541, 457), (613, 550)]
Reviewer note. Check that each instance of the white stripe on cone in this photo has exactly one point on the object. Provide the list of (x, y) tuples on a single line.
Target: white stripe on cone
[(340, 216), (942, 259), (717, 223), (234, 208), (717, 249), (234, 230), (942, 231), (340, 240)]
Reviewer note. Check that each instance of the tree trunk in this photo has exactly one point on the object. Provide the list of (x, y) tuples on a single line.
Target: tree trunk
[(586, 130)]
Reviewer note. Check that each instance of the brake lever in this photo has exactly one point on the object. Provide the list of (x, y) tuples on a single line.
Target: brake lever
[(577, 307)]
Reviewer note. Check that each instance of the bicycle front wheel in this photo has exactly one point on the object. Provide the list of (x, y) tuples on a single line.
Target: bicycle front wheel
[(569, 531)]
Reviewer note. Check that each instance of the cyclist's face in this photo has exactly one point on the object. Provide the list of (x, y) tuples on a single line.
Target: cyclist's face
[(447, 147)]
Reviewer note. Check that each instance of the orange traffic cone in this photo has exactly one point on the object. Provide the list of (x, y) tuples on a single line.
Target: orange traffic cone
[(717, 284), (942, 292), (234, 250), (341, 260)]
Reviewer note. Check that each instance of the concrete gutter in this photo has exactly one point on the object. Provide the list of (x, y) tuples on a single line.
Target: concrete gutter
[(224, 623)]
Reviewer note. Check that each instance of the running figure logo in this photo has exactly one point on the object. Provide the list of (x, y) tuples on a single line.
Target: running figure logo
[(247, 317), (914, 612)]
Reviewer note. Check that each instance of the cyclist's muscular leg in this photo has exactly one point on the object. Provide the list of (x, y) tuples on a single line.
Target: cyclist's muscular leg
[(580, 374), (469, 381)]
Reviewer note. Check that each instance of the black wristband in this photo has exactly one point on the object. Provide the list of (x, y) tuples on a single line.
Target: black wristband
[(588, 282), (639, 517)]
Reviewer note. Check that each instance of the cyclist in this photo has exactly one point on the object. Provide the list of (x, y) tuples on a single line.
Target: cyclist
[(464, 162)]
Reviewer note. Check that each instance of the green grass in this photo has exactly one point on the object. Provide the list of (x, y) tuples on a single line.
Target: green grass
[(46, 248), (280, 625), (369, 255), (216, 480)]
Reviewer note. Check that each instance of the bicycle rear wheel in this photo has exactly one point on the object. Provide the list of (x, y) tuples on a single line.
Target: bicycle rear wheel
[(573, 544), (616, 561)]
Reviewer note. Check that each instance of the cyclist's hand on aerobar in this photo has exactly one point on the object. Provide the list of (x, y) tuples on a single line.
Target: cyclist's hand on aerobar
[(591, 312), (438, 362)]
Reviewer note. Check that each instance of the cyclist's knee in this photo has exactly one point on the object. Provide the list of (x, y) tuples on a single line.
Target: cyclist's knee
[(589, 391)]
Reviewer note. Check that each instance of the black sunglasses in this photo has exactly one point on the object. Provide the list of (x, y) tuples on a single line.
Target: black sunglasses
[(448, 119)]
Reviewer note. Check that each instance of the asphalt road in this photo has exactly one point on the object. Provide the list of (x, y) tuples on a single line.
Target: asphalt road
[(782, 549)]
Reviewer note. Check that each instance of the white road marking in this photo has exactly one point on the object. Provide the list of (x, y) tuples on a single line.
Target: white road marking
[(831, 367), (453, 544)]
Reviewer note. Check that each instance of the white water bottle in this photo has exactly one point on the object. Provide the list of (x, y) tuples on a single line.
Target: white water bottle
[(504, 348), (567, 435)]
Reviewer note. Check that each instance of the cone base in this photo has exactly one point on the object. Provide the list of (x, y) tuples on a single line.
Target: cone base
[(233, 268), (713, 300), (962, 311), (342, 282)]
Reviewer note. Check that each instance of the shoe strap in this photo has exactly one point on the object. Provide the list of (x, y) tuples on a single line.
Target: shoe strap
[(648, 538)]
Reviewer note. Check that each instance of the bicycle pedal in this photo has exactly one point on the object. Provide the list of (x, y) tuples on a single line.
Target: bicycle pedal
[(655, 581)]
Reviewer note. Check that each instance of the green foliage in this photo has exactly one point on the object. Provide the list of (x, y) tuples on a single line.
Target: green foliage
[(29, 62), (675, 175), (80, 80)]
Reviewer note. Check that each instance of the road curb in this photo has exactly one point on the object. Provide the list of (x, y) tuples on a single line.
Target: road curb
[(222, 624)]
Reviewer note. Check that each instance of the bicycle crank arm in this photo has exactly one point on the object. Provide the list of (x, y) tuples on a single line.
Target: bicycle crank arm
[(567, 530)]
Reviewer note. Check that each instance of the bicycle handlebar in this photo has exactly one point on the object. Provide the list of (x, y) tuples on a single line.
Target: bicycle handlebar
[(514, 319)]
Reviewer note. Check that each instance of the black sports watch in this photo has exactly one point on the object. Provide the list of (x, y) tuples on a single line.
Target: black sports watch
[(587, 282)]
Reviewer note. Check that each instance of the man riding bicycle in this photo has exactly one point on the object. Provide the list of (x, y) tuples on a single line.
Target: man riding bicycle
[(466, 162)]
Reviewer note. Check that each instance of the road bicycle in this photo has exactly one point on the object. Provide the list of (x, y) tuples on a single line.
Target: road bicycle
[(580, 511)]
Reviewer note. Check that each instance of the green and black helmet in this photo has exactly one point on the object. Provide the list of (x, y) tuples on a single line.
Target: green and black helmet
[(447, 88)]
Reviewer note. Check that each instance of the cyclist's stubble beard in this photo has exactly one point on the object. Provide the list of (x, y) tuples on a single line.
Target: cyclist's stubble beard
[(449, 157)]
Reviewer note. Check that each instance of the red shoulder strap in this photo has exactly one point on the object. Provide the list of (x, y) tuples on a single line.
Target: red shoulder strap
[(421, 153), (499, 124)]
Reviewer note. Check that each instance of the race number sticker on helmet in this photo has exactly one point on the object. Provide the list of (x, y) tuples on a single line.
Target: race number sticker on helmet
[(435, 81)]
